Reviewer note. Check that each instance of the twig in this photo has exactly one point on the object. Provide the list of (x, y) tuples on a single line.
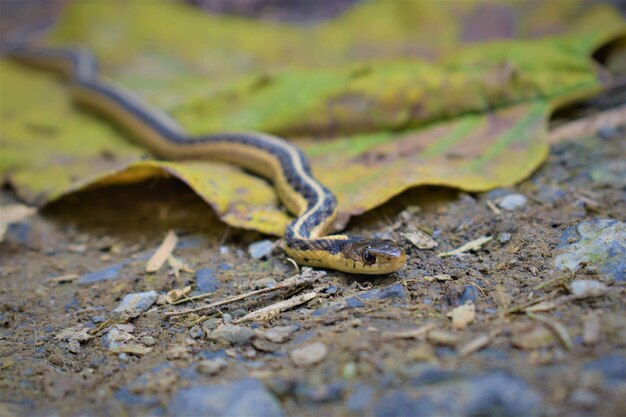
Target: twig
[(275, 309), (473, 245), (557, 327), (306, 277), (162, 253), (493, 207)]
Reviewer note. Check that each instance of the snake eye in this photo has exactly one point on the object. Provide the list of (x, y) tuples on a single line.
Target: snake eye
[(369, 258)]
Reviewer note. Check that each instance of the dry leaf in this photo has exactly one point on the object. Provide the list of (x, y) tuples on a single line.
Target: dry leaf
[(462, 316)]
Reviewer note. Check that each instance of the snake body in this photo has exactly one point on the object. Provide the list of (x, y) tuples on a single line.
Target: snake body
[(306, 239)]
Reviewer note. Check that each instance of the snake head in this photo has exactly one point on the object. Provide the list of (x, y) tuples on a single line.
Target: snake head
[(373, 256)]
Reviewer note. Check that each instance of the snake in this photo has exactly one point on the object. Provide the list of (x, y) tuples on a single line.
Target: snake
[(306, 239)]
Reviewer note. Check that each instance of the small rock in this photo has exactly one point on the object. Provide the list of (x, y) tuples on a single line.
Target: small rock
[(105, 274), (612, 367), (196, 332), (261, 249), (246, 397), (78, 332), (133, 305), (332, 290), (73, 346), (469, 294), (280, 334), (360, 398), (611, 173), (393, 291), (148, 340), (309, 354), (504, 237), (210, 324), (512, 202), (237, 335), (206, 281), (549, 194), (354, 302), (211, 367), (584, 398), (238, 313), (320, 393), (264, 283), (586, 288), (116, 337), (600, 243), (501, 394)]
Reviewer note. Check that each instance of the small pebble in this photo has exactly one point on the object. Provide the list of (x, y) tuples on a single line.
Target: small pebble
[(280, 334), (237, 335), (332, 290), (196, 332), (224, 250), (206, 281), (309, 354), (261, 249), (584, 288), (210, 324), (504, 237), (211, 367), (469, 294), (227, 318), (133, 305), (148, 340), (512, 202), (73, 346), (264, 283)]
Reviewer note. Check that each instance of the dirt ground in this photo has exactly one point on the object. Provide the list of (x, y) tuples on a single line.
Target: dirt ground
[(382, 346)]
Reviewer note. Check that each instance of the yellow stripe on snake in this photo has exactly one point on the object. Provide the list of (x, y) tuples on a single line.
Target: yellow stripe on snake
[(285, 165)]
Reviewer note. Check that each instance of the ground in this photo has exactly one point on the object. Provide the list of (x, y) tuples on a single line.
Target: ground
[(346, 351)]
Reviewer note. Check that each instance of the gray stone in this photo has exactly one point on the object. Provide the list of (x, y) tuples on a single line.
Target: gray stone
[(264, 283), (261, 249), (321, 393), (393, 291), (106, 274), (500, 394), (504, 237), (237, 335), (245, 397), (611, 173), (550, 194), (206, 281), (588, 288), (196, 332), (490, 395), (360, 398), (512, 202), (280, 334), (469, 294), (612, 367), (309, 354), (210, 324), (133, 305), (600, 243), (211, 366)]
